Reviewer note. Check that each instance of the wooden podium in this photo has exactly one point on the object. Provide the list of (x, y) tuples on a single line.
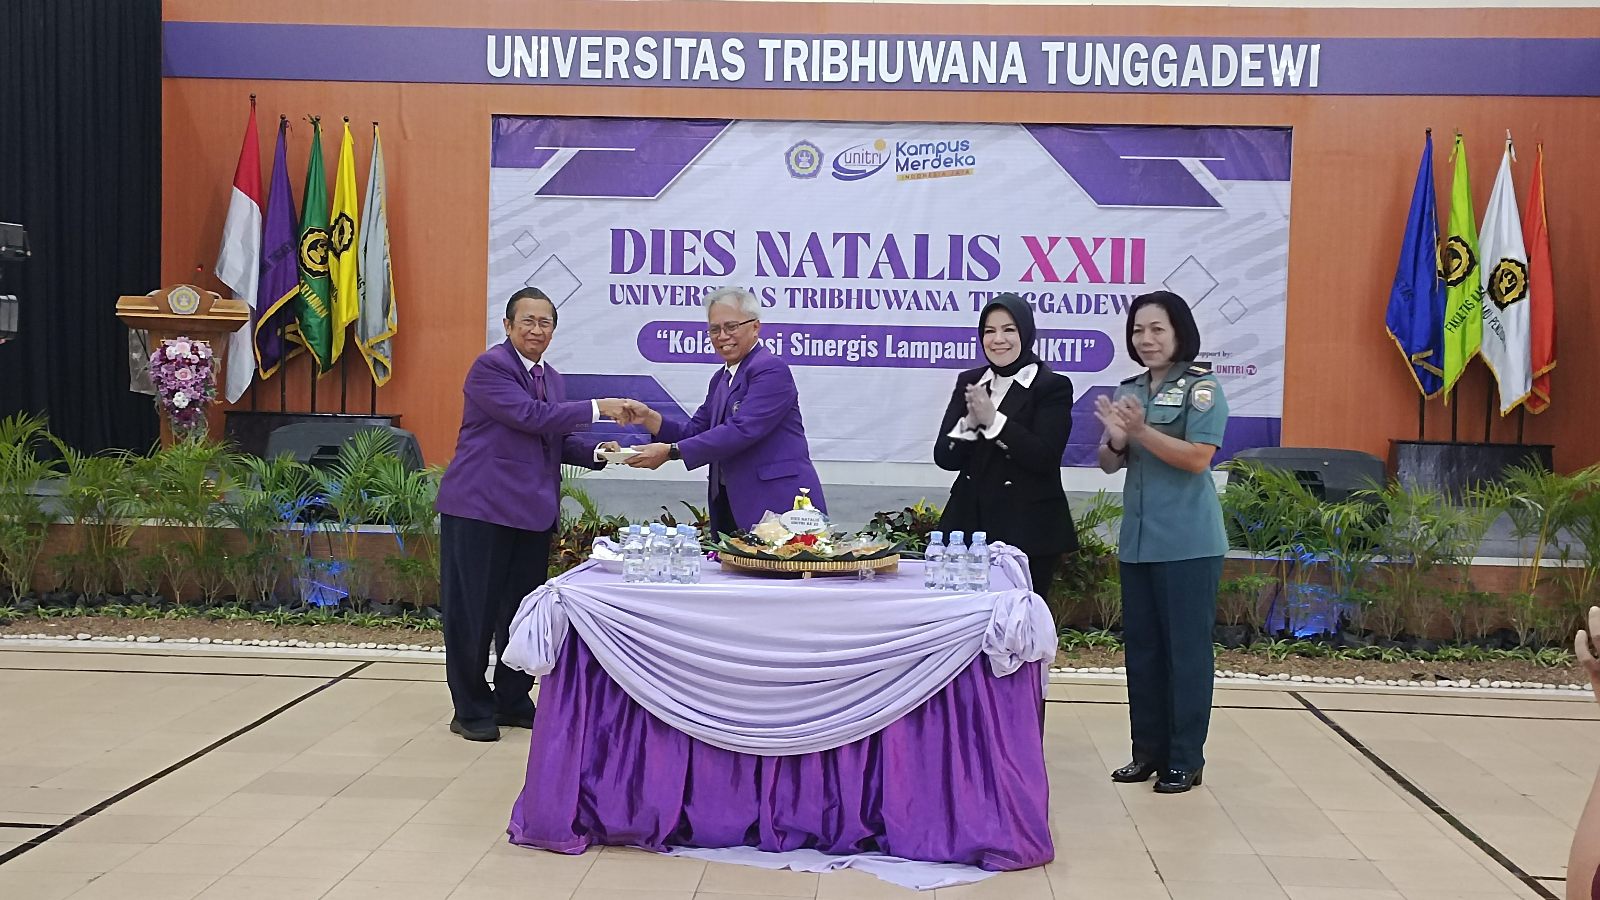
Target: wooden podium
[(188, 311)]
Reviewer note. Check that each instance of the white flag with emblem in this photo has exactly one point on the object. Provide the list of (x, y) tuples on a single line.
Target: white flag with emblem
[(1507, 348)]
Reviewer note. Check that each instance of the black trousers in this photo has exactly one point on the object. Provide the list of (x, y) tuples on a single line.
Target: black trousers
[(1168, 610), (721, 515), (485, 571), (1042, 570)]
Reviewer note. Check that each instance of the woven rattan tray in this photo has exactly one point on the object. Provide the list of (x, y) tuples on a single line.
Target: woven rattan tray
[(807, 568)]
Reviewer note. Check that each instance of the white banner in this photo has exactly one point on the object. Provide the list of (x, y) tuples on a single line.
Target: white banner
[(873, 247)]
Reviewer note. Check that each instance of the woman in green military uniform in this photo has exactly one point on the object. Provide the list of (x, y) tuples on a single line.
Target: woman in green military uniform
[(1164, 426)]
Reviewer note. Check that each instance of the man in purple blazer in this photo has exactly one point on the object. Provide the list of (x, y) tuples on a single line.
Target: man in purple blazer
[(748, 431), (498, 504)]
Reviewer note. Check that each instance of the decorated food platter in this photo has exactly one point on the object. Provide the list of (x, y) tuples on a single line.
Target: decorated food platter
[(802, 542)]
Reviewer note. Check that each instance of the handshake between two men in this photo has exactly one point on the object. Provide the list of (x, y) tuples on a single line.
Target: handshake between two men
[(632, 412)]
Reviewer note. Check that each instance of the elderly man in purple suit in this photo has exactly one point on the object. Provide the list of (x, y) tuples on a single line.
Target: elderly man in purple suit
[(748, 431), (498, 503)]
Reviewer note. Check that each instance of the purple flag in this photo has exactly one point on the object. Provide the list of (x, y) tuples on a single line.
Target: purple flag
[(280, 281)]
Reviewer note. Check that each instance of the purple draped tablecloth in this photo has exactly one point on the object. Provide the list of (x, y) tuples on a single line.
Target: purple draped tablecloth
[(961, 778)]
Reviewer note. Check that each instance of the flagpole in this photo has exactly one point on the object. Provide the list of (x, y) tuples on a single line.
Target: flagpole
[(1488, 412), (1522, 419), (254, 383), (1455, 411)]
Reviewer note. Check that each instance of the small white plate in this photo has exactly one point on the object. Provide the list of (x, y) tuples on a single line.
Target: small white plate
[(617, 456), (614, 566)]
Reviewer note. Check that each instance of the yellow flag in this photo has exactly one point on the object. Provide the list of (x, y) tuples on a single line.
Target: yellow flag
[(344, 248)]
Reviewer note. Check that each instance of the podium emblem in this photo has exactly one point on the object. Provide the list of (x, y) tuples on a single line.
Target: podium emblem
[(184, 300)]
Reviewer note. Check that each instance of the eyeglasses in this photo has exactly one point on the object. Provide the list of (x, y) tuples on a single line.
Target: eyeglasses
[(715, 330), (536, 324)]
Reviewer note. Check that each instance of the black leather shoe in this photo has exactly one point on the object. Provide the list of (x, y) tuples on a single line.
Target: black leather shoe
[(1135, 772), (1176, 781), (514, 720), (490, 733)]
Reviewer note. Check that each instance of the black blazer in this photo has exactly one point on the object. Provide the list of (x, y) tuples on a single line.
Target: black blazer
[(1010, 487)]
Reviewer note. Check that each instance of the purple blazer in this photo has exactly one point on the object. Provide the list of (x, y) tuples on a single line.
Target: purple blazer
[(751, 435), (507, 467)]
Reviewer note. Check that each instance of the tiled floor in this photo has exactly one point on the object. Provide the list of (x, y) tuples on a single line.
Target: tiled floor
[(191, 775)]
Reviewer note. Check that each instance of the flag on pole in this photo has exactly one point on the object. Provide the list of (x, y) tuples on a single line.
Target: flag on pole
[(312, 312), (1541, 291), (1506, 348), (1415, 318), (280, 280), (1458, 262), (239, 258), (379, 320), (344, 253)]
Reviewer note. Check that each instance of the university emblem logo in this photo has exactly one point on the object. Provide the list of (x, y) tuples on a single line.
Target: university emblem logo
[(1458, 261), (1508, 283), (314, 252), (804, 160)]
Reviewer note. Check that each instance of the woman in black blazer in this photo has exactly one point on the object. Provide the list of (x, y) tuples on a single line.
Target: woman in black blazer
[(1004, 431)]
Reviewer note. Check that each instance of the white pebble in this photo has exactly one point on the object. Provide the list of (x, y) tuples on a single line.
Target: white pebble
[(155, 638), (142, 639), (83, 636)]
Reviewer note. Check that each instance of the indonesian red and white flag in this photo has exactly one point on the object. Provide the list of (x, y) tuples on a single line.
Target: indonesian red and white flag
[(1504, 263), (239, 259)]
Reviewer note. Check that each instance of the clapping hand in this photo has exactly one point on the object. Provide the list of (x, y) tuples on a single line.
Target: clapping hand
[(980, 406), (1110, 416), (1585, 653)]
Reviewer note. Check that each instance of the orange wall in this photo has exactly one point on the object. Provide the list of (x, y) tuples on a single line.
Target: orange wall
[(1354, 162)]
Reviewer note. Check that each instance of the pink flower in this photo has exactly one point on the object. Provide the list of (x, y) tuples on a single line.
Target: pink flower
[(205, 350), (182, 346), (184, 374), (172, 352)]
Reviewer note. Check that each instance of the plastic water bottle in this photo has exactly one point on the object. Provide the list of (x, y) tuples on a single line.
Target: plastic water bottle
[(954, 576), (633, 567), (933, 562), (657, 554), (978, 562), (686, 559)]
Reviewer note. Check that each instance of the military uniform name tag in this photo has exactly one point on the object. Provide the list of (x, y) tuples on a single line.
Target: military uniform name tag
[(1172, 397)]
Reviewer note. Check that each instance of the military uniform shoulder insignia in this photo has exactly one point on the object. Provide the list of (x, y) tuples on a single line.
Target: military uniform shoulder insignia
[(1199, 368), (1203, 396)]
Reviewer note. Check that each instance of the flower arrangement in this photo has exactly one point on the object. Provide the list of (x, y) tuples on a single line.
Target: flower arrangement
[(180, 369)]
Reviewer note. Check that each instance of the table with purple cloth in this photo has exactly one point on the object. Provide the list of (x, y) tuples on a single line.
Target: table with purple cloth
[(833, 714)]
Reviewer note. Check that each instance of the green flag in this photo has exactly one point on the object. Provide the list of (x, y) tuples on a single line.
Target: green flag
[(1458, 263), (314, 322)]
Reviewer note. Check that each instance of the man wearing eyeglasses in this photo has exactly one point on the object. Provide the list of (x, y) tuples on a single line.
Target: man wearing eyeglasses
[(748, 431), (498, 502)]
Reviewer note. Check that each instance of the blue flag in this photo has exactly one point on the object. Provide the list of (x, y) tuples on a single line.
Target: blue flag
[(1416, 302)]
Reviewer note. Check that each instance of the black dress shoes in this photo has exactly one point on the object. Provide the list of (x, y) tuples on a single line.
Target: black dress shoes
[(1135, 772), (1176, 781), (480, 733), (514, 720)]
